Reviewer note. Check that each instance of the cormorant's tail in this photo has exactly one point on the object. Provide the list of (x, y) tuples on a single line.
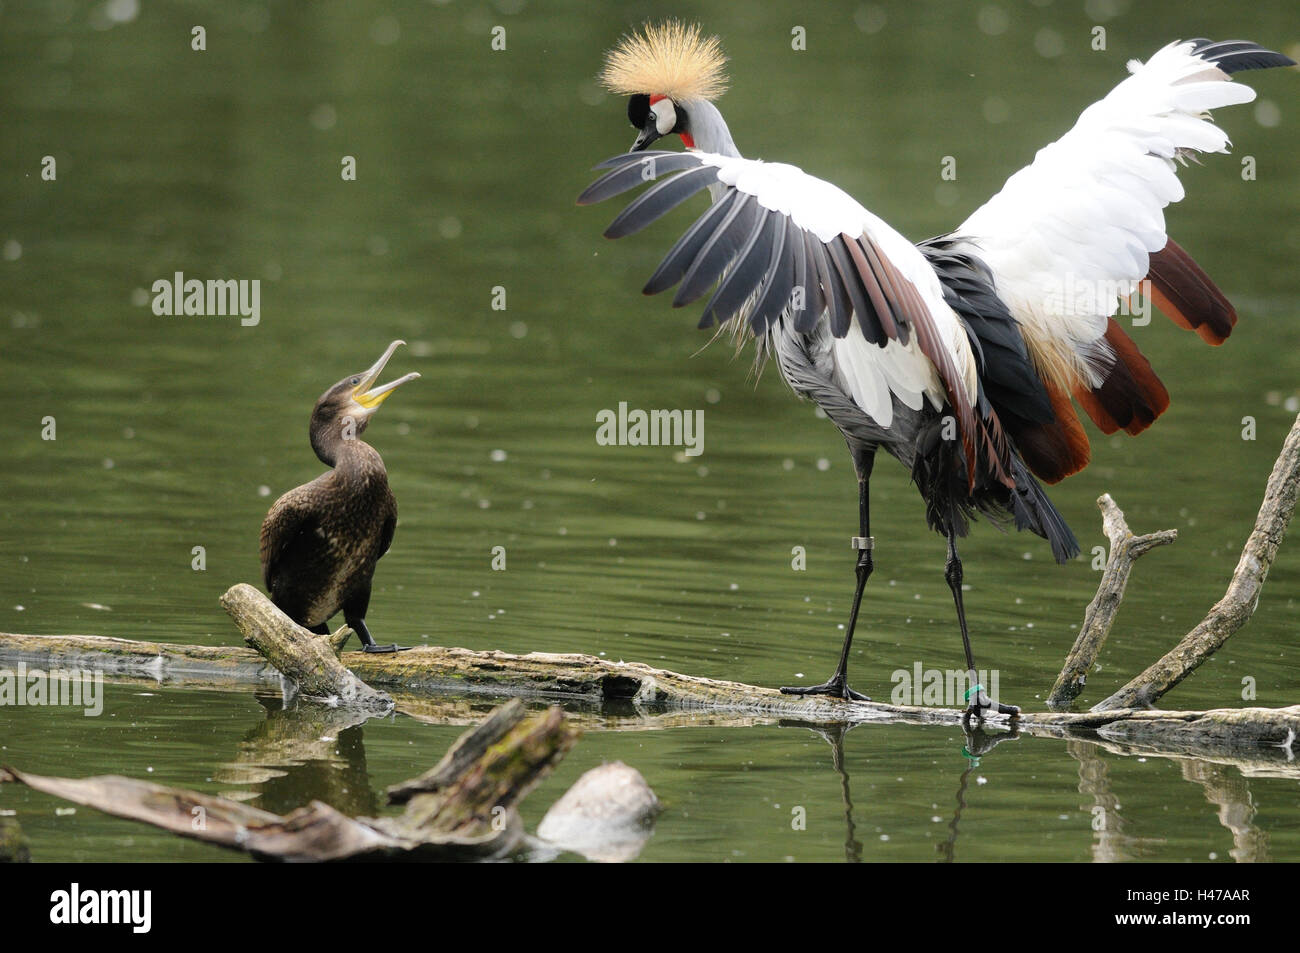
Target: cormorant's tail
[(1035, 512)]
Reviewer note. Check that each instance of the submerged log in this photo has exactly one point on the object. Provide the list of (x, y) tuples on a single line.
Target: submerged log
[(473, 800), (472, 815)]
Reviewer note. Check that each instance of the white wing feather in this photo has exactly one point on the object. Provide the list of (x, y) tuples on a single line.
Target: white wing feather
[(1072, 232)]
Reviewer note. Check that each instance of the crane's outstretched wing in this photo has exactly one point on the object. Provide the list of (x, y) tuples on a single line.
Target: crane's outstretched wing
[(1075, 231), (784, 245)]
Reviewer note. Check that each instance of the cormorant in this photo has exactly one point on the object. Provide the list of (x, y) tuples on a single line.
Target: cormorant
[(320, 541)]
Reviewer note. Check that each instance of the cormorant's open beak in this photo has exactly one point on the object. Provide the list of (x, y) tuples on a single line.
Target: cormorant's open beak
[(647, 135), (371, 397)]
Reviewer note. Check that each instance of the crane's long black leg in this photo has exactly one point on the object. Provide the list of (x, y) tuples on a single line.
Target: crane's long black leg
[(354, 614), (981, 701), (838, 684)]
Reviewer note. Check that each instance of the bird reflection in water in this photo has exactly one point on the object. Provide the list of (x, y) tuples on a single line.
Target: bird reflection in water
[(977, 742)]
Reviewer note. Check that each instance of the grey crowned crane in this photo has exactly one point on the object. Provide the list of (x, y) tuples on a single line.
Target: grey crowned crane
[(958, 356)]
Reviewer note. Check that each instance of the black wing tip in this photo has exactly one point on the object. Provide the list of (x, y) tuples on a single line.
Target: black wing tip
[(1234, 56)]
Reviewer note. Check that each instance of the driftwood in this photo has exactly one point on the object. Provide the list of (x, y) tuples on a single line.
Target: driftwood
[(315, 832), (470, 814), (423, 680), (310, 663), (1227, 616), (1125, 548), (591, 679), (1238, 604), (468, 748), (645, 687), (474, 797)]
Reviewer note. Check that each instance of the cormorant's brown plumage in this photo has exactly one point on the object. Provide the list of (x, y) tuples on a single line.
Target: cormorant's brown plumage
[(321, 540)]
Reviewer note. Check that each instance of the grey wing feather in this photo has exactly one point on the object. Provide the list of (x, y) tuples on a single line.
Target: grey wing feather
[(756, 256)]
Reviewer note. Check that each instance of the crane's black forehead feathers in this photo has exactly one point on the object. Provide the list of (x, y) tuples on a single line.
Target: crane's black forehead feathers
[(638, 110)]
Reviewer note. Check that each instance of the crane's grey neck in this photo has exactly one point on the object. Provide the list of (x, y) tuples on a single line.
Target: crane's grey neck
[(709, 129)]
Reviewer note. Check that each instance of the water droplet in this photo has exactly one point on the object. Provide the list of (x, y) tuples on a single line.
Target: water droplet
[(323, 116)]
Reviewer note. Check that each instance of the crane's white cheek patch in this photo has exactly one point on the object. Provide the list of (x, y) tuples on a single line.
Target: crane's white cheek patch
[(665, 116)]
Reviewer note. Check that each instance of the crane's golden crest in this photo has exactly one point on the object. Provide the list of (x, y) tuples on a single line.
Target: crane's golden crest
[(672, 59)]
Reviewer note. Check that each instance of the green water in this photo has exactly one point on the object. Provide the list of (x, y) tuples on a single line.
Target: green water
[(174, 433)]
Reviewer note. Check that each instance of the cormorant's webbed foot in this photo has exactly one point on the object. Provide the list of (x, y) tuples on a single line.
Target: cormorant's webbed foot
[(837, 687), (368, 642)]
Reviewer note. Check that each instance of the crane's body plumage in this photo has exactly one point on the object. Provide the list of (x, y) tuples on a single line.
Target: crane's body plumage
[(958, 356)]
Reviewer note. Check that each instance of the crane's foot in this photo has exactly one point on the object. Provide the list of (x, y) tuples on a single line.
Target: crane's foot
[(385, 649), (982, 705), (836, 688)]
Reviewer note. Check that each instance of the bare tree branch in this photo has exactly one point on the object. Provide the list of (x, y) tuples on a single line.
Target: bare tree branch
[(1238, 604), (1125, 548)]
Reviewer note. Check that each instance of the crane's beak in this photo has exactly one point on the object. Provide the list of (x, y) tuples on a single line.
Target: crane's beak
[(647, 135), (371, 397)]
